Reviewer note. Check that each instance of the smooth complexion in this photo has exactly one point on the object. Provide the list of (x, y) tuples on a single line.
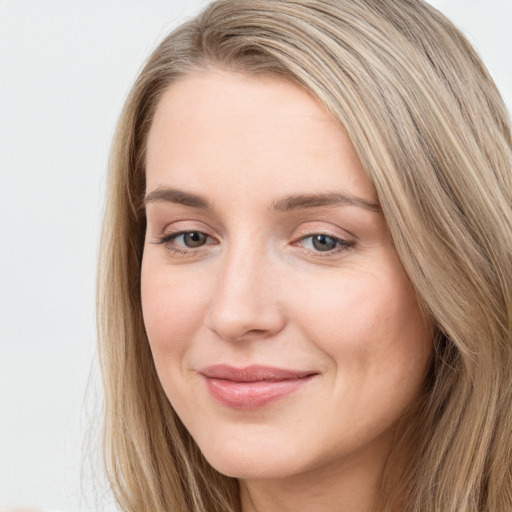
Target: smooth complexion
[(266, 252)]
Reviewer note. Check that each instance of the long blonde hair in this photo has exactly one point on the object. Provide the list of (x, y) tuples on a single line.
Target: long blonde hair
[(434, 136)]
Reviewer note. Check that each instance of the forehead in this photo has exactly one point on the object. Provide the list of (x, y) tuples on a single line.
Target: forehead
[(222, 126)]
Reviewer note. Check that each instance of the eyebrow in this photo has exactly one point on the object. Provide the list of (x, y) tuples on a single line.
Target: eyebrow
[(173, 195), (283, 204), (303, 201)]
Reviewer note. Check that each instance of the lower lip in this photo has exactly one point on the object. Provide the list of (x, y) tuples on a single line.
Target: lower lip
[(253, 395)]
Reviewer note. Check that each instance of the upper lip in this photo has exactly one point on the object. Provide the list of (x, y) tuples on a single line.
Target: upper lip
[(253, 373)]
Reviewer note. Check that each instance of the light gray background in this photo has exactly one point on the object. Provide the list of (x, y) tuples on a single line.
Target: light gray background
[(65, 68)]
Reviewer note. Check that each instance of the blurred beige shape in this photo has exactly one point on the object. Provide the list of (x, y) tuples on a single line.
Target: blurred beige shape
[(21, 509)]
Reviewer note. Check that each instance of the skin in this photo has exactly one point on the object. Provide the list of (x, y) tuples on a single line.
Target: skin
[(259, 291)]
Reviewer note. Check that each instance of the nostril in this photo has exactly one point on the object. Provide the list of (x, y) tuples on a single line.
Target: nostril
[(236, 329), (255, 333)]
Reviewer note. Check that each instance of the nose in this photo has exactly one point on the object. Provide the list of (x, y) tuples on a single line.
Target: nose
[(245, 301)]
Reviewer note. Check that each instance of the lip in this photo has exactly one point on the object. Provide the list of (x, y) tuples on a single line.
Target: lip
[(252, 387)]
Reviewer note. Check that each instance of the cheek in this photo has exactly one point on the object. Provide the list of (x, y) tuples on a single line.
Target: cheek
[(173, 308), (370, 325)]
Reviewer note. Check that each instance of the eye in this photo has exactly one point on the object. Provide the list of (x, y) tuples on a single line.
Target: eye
[(185, 242), (324, 243), (192, 239)]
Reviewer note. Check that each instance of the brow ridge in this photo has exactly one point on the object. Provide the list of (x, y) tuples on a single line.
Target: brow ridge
[(283, 204), (174, 195), (303, 201)]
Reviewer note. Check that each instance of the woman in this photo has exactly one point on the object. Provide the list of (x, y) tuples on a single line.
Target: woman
[(305, 289)]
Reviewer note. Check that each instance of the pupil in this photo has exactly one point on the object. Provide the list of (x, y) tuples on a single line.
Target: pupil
[(194, 239), (324, 243)]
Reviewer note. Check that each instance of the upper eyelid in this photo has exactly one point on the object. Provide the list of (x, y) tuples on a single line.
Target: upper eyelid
[(330, 235), (305, 229), (168, 241), (181, 233), (173, 236), (334, 232), (186, 226)]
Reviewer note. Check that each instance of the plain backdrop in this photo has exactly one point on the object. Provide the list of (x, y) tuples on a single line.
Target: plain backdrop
[(65, 68)]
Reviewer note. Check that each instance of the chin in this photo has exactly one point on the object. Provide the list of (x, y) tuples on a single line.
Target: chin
[(248, 462), (251, 469)]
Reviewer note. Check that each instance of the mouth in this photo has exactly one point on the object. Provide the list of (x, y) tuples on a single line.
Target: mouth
[(254, 386)]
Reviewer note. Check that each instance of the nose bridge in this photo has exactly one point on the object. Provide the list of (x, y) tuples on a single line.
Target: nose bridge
[(244, 302)]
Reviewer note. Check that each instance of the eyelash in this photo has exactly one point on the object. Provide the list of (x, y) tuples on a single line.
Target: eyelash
[(169, 241), (342, 245)]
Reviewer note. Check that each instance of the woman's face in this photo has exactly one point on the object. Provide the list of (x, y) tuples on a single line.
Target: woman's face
[(284, 330)]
